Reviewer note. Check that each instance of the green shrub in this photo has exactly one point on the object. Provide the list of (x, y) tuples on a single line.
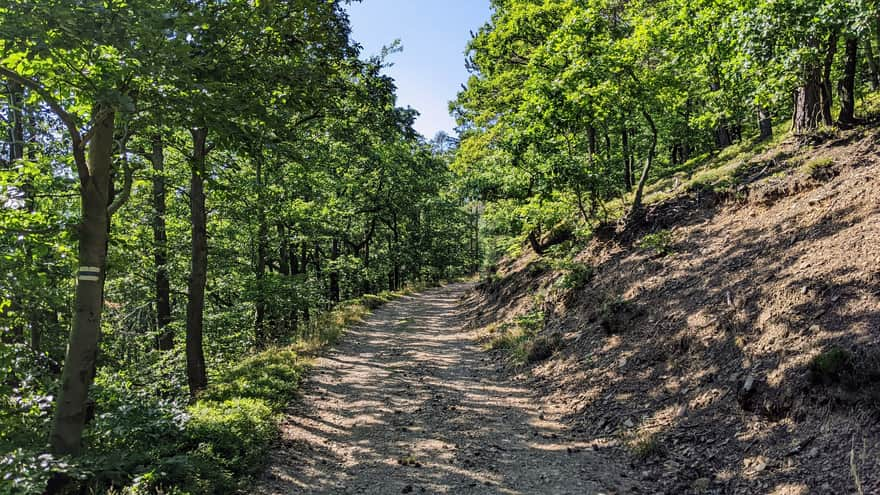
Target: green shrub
[(532, 321), (521, 340), (577, 277), (659, 242), (272, 376), (234, 435)]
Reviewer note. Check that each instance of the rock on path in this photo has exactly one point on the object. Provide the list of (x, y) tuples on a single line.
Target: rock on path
[(407, 403)]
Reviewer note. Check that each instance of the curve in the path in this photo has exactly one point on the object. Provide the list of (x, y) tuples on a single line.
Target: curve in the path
[(407, 403)]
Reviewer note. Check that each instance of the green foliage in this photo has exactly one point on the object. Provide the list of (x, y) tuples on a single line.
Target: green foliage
[(576, 276), (521, 341), (232, 436), (272, 377), (661, 242)]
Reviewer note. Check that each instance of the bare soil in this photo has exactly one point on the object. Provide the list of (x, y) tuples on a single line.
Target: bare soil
[(408, 403)]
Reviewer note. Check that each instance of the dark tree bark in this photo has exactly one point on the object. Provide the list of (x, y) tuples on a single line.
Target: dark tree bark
[(872, 64), (82, 349), (808, 105), (196, 373), (162, 288), (334, 272), (827, 93), (304, 257), (627, 160), (847, 85), (261, 334), (16, 131), (722, 136)]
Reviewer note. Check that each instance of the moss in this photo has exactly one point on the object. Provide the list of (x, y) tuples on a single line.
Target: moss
[(818, 168)]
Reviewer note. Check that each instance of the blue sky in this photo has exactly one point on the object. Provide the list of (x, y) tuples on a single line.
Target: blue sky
[(430, 70)]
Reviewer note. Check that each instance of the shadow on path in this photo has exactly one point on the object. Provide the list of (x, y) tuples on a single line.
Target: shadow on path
[(408, 403)]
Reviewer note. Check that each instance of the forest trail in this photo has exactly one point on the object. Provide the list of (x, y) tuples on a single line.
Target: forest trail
[(409, 403)]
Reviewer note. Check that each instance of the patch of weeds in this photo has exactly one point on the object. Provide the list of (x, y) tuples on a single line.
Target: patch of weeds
[(521, 340), (645, 445), (821, 134), (372, 301), (616, 314), (409, 460), (660, 242), (541, 347), (854, 370), (577, 276), (532, 321), (819, 168), (830, 366)]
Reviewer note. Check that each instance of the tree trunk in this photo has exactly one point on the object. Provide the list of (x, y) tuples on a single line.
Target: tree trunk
[(765, 124), (396, 256), (334, 272), (637, 213), (808, 105), (162, 288), (722, 136), (847, 85), (535, 243), (16, 111), (16, 153), (872, 64), (195, 357), (627, 160), (82, 348), (827, 92), (260, 326)]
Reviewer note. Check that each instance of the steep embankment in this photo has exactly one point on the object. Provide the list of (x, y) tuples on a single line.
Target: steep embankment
[(747, 358)]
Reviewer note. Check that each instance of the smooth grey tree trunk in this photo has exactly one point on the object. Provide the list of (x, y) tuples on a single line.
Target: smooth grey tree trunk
[(82, 350)]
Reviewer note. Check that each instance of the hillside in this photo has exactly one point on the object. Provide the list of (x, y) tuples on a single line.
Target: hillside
[(729, 345)]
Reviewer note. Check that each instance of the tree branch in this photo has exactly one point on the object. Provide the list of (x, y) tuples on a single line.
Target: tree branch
[(68, 120)]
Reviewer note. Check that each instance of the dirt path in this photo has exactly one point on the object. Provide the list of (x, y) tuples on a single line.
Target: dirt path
[(407, 403)]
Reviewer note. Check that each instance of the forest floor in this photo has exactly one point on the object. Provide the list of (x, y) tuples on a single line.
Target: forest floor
[(409, 403)]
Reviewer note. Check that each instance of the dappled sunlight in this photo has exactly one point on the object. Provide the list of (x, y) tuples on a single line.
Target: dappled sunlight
[(409, 399)]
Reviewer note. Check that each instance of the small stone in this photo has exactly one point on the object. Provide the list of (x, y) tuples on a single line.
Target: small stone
[(760, 466), (628, 423), (813, 452), (749, 384)]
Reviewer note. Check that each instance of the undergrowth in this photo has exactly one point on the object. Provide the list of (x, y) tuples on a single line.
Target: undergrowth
[(149, 438), (522, 341)]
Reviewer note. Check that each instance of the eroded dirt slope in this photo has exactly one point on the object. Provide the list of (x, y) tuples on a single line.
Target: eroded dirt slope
[(706, 381)]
